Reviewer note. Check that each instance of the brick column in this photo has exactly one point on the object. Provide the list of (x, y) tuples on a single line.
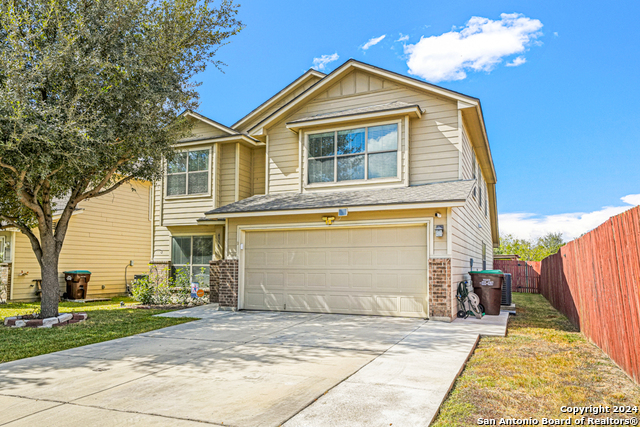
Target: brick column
[(440, 292), (159, 271), (214, 281), (224, 283)]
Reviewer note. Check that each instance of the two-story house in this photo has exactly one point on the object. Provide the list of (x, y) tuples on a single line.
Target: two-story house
[(362, 191)]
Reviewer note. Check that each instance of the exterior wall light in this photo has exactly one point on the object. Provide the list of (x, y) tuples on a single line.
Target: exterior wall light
[(439, 230), (328, 219)]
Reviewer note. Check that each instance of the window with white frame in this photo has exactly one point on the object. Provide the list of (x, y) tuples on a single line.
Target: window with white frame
[(3, 251), (192, 251), (363, 153), (188, 173)]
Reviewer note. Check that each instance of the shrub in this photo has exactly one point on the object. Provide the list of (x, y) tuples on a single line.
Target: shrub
[(155, 290)]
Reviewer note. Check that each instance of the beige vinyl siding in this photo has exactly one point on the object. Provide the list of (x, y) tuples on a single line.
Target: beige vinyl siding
[(227, 174), (201, 130), (466, 235), (439, 243), (246, 171), (258, 167), (434, 139), (283, 170), (284, 100), (110, 231), (187, 209)]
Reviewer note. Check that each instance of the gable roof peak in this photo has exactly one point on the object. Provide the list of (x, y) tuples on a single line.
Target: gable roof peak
[(207, 120)]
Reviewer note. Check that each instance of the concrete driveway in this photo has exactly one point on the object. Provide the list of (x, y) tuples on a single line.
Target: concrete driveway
[(247, 369)]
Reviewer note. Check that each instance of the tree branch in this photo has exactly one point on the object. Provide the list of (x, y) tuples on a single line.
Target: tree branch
[(35, 243), (95, 191)]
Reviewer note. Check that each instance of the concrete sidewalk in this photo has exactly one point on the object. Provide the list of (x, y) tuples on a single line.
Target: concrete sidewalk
[(406, 385)]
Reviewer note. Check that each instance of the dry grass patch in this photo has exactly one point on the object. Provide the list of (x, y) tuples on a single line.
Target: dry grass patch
[(543, 363)]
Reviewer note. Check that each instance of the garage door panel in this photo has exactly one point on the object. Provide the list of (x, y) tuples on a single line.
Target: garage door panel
[(274, 301), (339, 280), (339, 302), (256, 259), (338, 258), (295, 280), (387, 304), (361, 281), (275, 239), (315, 237), (411, 305), (340, 270), (295, 258), (295, 239), (414, 257), (363, 304), (338, 238)]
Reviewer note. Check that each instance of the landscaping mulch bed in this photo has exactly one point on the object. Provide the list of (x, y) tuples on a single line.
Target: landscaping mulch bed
[(167, 307)]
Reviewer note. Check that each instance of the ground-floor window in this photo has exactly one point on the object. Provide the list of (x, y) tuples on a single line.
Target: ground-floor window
[(194, 252)]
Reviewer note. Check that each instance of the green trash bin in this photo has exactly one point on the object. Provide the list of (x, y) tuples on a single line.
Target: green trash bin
[(487, 284)]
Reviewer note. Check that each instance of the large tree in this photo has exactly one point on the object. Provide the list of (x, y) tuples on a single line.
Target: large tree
[(90, 98), (531, 250)]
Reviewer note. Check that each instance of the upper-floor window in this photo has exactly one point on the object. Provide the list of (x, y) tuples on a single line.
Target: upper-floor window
[(353, 154), (188, 173)]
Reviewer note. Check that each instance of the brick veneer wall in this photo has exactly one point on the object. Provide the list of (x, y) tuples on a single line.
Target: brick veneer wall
[(159, 271), (440, 293), (224, 282), (5, 278)]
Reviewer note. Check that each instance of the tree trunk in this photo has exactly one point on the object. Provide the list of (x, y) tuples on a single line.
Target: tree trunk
[(50, 285)]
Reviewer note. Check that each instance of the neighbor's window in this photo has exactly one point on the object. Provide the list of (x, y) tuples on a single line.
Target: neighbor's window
[(353, 154), (188, 173), (195, 251)]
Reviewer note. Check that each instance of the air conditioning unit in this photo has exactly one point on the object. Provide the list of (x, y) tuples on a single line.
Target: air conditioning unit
[(506, 290)]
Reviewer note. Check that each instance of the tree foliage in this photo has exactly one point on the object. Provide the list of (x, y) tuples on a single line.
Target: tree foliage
[(90, 97), (531, 250)]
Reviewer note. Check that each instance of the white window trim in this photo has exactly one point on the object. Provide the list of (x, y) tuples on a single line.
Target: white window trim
[(192, 235), (304, 167), (189, 196), (2, 243)]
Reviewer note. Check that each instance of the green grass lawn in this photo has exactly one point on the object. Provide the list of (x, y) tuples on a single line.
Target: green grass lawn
[(107, 321), (542, 364)]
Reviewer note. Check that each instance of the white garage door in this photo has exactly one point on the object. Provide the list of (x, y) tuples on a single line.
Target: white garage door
[(381, 270)]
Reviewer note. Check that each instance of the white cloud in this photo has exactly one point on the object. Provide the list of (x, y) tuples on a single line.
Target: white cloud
[(372, 42), (403, 38), (478, 46), (321, 63), (571, 225), (517, 61), (555, 33)]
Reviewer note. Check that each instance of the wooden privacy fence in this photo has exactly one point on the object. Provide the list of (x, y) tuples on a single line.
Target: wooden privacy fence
[(525, 275), (595, 281)]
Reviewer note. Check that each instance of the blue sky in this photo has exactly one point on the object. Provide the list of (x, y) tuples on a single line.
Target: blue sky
[(564, 125)]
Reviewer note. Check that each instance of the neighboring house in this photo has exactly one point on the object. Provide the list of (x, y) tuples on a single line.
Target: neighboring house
[(361, 191), (104, 235)]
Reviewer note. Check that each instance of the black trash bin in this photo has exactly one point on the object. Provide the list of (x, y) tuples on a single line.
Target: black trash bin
[(77, 283), (487, 284)]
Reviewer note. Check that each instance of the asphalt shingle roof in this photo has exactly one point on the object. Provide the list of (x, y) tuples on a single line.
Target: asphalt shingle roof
[(437, 192), (362, 110)]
